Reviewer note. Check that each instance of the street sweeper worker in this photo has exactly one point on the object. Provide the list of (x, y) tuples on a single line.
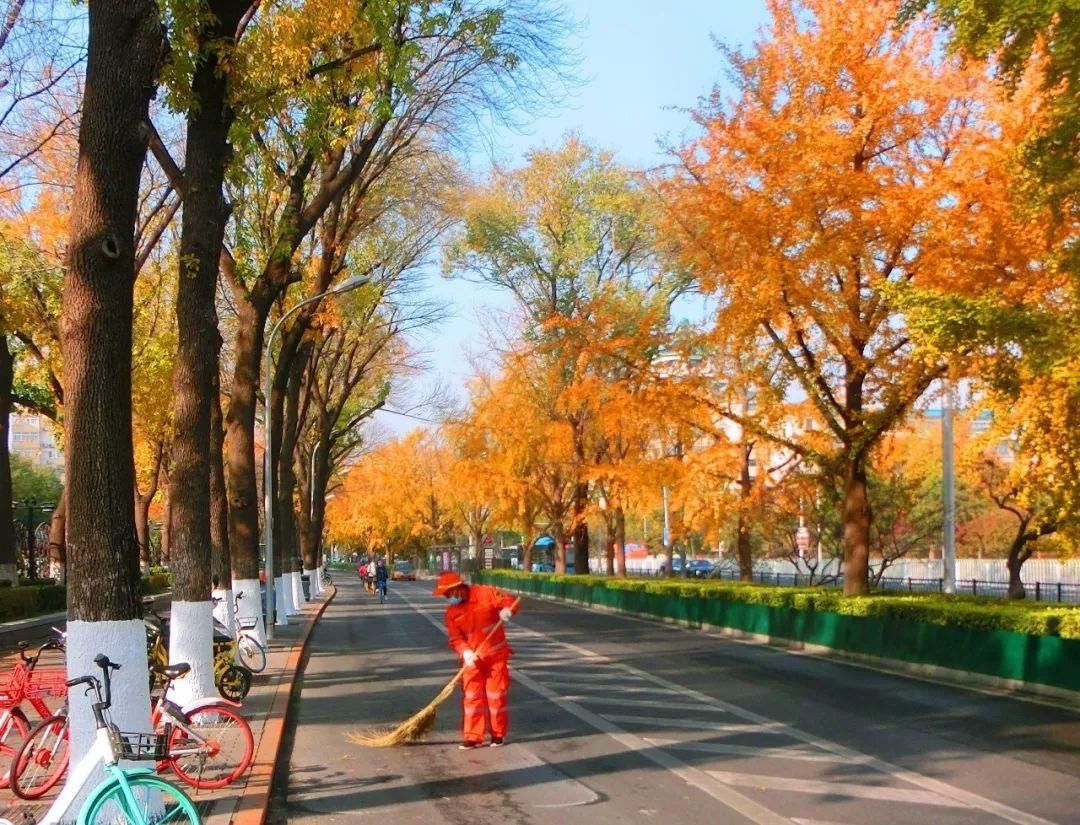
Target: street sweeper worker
[(474, 611)]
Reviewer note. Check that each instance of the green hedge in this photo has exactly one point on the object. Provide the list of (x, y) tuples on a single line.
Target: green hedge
[(33, 600), (1028, 643), (1030, 618), (158, 581), (23, 602)]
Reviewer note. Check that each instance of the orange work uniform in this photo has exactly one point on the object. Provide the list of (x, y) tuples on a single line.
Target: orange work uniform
[(486, 685)]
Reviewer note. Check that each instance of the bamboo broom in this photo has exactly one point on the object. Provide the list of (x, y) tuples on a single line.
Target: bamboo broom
[(419, 723)]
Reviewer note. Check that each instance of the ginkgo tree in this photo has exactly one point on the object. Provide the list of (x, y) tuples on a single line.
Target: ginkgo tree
[(855, 156)]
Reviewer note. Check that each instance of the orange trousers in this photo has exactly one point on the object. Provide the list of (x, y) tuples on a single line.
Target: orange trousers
[(484, 700)]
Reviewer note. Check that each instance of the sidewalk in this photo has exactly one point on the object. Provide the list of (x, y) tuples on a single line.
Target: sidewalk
[(246, 802)]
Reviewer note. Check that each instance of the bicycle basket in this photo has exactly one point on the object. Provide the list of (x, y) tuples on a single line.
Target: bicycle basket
[(13, 686), (247, 622), (138, 747), (44, 682)]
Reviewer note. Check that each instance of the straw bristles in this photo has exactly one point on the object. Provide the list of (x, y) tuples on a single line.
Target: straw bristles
[(412, 729)]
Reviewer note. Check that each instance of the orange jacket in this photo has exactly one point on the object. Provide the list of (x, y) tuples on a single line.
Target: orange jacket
[(467, 624)]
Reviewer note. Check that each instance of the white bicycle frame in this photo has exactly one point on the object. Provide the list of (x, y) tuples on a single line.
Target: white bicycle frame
[(101, 753)]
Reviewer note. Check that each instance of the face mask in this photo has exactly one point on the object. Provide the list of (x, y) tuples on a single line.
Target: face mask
[(456, 600)]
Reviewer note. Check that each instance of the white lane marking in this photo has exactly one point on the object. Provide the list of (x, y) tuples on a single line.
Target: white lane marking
[(800, 821), (970, 799), (834, 789), (699, 779), (625, 702), (752, 810), (690, 724), (576, 684), (749, 751)]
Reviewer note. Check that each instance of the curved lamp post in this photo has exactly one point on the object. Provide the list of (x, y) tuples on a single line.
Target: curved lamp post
[(268, 467)]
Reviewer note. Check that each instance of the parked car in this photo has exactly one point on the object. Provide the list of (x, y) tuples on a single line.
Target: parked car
[(548, 567), (695, 568), (403, 572)]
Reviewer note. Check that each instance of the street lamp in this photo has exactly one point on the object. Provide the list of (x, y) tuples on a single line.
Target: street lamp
[(268, 467)]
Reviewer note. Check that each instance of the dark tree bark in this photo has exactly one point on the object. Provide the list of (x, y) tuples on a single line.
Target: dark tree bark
[(220, 561), (620, 541), (8, 551), (609, 544), (143, 500), (123, 53), (202, 233), (856, 536), (289, 456), (240, 444), (743, 547), (58, 540)]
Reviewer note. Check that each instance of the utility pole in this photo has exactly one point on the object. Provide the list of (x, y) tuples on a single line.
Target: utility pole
[(948, 543)]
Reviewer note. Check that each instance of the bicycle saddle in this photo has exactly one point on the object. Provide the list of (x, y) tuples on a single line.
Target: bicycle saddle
[(171, 671)]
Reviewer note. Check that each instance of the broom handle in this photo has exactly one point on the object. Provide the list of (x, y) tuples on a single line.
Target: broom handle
[(487, 638)]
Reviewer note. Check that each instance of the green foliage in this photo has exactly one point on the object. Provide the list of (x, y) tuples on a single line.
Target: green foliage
[(155, 583), (1033, 618), (30, 481), (24, 602), (1012, 31)]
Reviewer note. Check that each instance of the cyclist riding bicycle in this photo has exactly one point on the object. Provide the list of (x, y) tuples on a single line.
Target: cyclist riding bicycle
[(381, 575)]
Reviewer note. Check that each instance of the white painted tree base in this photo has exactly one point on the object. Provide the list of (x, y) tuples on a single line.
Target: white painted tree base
[(291, 607), (191, 640), (223, 610), (298, 591), (124, 642), (313, 584), (281, 606), (250, 606)]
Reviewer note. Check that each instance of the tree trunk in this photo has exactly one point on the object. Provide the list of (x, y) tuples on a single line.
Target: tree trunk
[(240, 460), (166, 530), (1015, 561), (743, 549), (609, 543), (560, 546), (58, 541), (581, 529), (743, 546), (856, 536), (142, 512), (202, 231), (9, 570), (286, 489), (220, 562), (318, 501), (124, 48), (620, 541)]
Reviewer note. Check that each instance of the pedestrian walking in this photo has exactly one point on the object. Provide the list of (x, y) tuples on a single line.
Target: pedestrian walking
[(475, 611)]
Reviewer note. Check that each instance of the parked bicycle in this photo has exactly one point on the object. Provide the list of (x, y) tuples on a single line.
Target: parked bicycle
[(233, 681), (252, 653), (26, 683), (130, 795), (209, 744)]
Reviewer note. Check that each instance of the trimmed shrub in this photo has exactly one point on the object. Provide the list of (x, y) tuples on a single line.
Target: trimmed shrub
[(1031, 618), (24, 602)]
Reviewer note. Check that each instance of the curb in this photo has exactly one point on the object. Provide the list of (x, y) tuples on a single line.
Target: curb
[(254, 807)]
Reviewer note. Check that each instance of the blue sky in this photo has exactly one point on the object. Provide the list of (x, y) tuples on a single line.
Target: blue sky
[(643, 64)]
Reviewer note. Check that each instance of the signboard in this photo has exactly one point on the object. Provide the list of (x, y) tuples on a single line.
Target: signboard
[(489, 557), (488, 541), (802, 540), (445, 560)]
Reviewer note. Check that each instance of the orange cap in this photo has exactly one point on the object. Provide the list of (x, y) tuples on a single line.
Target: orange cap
[(447, 581)]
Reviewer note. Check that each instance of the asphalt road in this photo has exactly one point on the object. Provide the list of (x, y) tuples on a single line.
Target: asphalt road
[(615, 719)]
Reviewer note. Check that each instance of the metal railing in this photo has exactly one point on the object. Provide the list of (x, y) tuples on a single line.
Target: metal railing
[(1037, 591)]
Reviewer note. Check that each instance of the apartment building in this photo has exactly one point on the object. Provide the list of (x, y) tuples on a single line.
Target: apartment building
[(33, 438)]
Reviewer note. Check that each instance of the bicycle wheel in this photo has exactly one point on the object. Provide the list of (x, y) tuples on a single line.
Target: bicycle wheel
[(252, 654), (222, 756), (156, 803), (234, 682), (43, 758), (12, 732)]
